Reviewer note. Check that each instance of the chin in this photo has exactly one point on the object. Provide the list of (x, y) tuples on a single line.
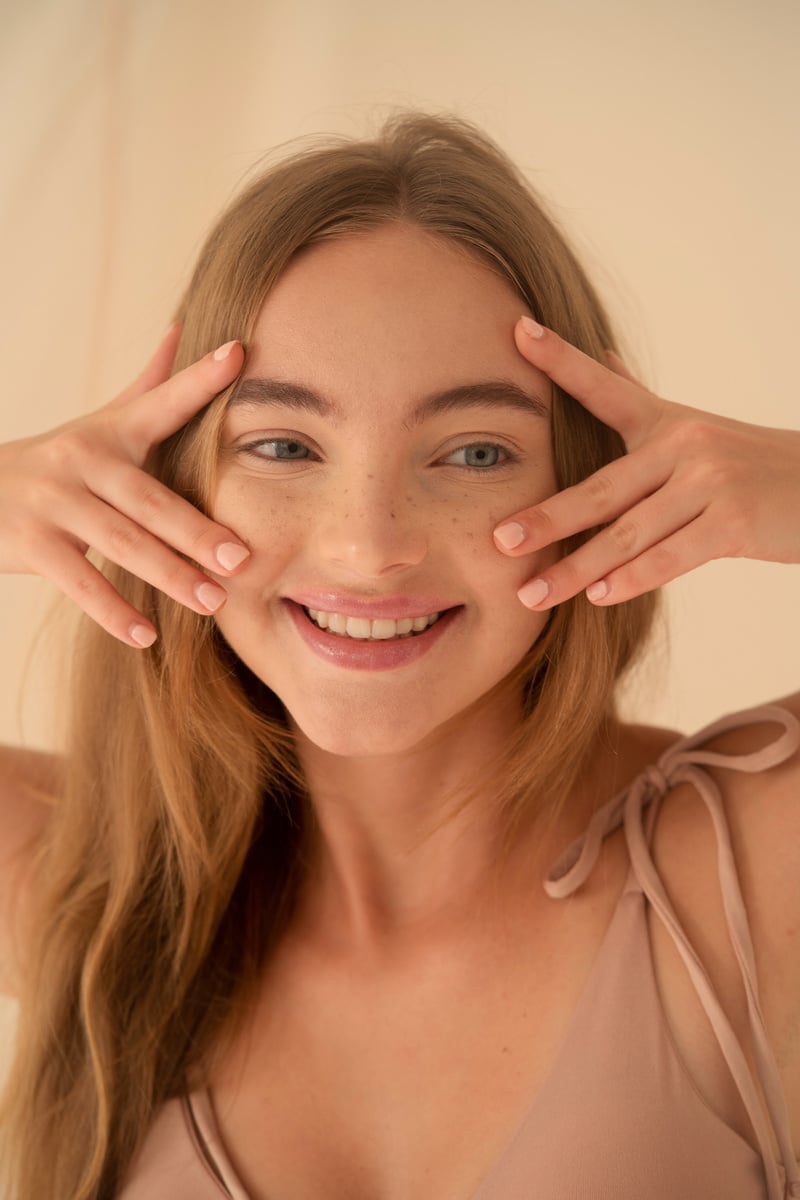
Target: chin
[(352, 740)]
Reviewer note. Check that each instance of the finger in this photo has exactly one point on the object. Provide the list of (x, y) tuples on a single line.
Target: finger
[(66, 567), (597, 499), (127, 544), (683, 551), (173, 520), (620, 403), (159, 368), (637, 530), (152, 417), (618, 367)]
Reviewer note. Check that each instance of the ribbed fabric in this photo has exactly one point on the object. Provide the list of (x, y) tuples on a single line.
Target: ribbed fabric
[(617, 1117)]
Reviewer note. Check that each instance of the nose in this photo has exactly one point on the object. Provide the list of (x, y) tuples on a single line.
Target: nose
[(371, 528)]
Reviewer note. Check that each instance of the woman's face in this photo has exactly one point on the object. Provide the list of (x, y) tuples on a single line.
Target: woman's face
[(367, 476)]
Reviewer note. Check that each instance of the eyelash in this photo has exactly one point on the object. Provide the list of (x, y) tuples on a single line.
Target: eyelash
[(508, 456)]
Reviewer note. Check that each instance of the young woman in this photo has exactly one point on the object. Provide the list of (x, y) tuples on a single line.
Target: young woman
[(344, 700)]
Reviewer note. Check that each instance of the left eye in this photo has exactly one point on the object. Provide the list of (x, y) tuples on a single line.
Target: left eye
[(480, 454), (282, 448)]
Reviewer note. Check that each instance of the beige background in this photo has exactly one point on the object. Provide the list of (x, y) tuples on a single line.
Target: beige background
[(665, 137)]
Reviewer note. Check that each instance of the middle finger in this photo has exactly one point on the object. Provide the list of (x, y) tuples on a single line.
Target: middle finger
[(646, 524)]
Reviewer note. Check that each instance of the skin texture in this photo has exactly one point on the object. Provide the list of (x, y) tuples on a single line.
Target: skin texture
[(376, 323)]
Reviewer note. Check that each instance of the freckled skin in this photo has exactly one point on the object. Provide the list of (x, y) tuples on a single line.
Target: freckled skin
[(376, 322)]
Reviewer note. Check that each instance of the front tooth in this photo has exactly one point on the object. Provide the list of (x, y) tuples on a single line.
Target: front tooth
[(405, 625), (419, 623), (337, 623), (358, 627), (384, 628)]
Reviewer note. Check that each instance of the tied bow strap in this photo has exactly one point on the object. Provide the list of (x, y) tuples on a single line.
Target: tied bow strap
[(683, 762)]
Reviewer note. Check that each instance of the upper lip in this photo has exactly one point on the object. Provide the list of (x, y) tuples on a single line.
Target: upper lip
[(386, 607)]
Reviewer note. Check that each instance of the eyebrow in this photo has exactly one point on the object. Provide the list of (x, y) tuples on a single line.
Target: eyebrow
[(255, 391)]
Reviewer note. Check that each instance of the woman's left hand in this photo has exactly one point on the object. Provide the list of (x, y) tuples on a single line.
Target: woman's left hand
[(692, 487)]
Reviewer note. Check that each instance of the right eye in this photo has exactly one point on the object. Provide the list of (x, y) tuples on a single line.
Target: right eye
[(279, 449)]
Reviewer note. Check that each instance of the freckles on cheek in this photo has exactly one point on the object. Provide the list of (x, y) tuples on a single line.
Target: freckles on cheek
[(271, 526)]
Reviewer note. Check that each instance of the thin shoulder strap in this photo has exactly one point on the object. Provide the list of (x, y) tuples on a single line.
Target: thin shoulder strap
[(203, 1126), (684, 761)]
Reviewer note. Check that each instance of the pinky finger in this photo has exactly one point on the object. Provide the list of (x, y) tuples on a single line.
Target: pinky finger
[(77, 578), (677, 554)]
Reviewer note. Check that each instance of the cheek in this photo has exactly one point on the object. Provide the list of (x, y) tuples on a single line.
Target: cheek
[(272, 526)]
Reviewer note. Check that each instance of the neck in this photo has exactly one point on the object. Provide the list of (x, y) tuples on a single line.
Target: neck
[(410, 843)]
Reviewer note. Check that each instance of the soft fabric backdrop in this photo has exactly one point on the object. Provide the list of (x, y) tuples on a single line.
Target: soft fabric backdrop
[(664, 136)]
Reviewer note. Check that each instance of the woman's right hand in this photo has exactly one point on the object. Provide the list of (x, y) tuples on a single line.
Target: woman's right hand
[(82, 485)]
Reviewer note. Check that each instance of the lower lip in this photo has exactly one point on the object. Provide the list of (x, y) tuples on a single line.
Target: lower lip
[(363, 654)]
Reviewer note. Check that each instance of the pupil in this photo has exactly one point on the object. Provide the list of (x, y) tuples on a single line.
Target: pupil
[(482, 456)]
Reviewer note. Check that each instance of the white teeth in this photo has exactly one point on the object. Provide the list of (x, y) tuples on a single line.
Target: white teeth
[(380, 629)]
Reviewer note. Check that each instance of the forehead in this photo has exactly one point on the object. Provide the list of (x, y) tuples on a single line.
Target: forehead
[(392, 308)]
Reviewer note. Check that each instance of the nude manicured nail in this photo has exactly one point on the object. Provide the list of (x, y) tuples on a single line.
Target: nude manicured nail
[(142, 635), (223, 351), (229, 555), (532, 328), (596, 591), (509, 536), (210, 596), (534, 593)]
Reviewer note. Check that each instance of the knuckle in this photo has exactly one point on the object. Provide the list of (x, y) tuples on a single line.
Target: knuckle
[(88, 586), (598, 490), (662, 562), (124, 538), (623, 535), (151, 500), (42, 494), (176, 576), (67, 448), (540, 521), (695, 435)]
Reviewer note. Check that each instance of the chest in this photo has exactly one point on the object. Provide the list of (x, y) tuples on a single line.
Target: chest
[(355, 1085)]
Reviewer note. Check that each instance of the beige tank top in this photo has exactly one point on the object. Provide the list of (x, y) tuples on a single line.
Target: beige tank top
[(618, 1116)]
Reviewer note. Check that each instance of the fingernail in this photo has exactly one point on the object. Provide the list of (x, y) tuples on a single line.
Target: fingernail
[(596, 591), (142, 635), (534, 593), (532, 328), (223, 351), (229, 555), (509, 535), (210, 596)]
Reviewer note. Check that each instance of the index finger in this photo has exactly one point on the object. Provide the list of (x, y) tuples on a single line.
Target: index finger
[(621, 403), (152, 417)]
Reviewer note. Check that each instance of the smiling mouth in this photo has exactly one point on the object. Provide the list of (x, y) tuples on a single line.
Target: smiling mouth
[(363, 629)]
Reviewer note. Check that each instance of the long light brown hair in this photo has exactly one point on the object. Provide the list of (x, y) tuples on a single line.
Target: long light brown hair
[(175, 853)]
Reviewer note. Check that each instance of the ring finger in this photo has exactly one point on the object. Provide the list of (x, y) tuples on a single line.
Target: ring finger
[(642, 527), (130, 546)]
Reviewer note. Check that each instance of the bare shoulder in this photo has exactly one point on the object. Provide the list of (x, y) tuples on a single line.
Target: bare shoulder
[(30, 783), (762, 811)]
